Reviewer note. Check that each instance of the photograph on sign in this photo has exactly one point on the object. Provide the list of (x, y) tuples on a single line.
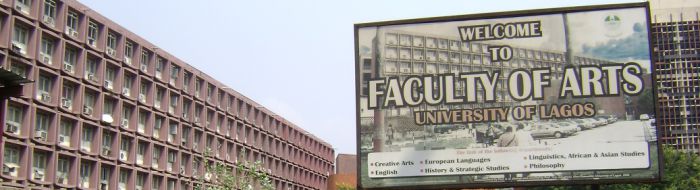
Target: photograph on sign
[(522, 99)]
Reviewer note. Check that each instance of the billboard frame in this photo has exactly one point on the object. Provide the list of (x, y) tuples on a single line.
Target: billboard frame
[(497, 15)]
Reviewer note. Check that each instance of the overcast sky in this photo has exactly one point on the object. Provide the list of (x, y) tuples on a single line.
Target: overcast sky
[(294, 57)]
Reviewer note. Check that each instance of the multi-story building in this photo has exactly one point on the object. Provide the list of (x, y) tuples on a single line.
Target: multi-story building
[(345, 174), (675, 28), (109, 110)]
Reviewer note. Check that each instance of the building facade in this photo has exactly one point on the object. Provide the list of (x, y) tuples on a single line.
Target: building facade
[(675, 29), (109, 110)]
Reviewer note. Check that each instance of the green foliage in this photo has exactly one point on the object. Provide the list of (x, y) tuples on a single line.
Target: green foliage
[(681, 172), (242, 175), (645, 103), (344, 186)]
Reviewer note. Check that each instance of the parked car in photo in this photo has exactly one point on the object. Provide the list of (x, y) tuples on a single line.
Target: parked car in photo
[(570, 127), (612, 118), (584, 124), (540, 130), (595, 122)]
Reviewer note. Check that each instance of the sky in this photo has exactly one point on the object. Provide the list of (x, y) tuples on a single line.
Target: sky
[(296, 58)]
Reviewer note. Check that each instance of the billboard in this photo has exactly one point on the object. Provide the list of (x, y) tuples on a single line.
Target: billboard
[(540, 97)]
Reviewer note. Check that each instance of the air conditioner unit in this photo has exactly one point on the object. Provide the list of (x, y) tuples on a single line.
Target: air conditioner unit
[(106, 151), (144, 68), (18, 48), (12, 127), (62, 179), (142, 98), (43, 135), (63, 138), (195, 146), (73, 32), (158, 74), (91, 42), (91, 76), (122, 156), (45, 96), (127, 60), (111, 52), (125, 123), (87, 110), (183, 142), (9, 169), (108, 84), (182, 170), (49, 20), (46, 58), (104, 186), (38, 174), (126, 92)]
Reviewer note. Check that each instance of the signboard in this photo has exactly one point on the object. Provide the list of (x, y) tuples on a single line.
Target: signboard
[(542, 97)]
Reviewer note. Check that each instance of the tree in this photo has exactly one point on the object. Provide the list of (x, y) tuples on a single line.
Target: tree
[(344, 186), (242, 175), (645, 103), (681, 171)]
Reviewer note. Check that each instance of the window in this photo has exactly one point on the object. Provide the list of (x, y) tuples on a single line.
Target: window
[(172, 133), (46, 50), (160, 64), (44, 88), (156, 127), (156, 182), (128, 52), (91, 69), (159, 97), (67, 94), (65, 132), (85, 173), (106, 143), (89, 103), (93, 34), (19, 69), (11, 159), (145, 57), (185, 135), (20, 38), (126, 115), (197, 87), (210, 92), (108, 109), (42, 126), (186, 81), (111, 44), (104, 176), (124, 149), (86, 138), (171, 160), (156, 157), (123, 178), (140, 152), (128, 83), (110, 76), (23, 5), (39, 166), (143, 118), (72, 23), (14, 118), (62, 170), (144, 87), (174, 73), (70, 59), (140, 180), (173, 103), (49, 12)]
